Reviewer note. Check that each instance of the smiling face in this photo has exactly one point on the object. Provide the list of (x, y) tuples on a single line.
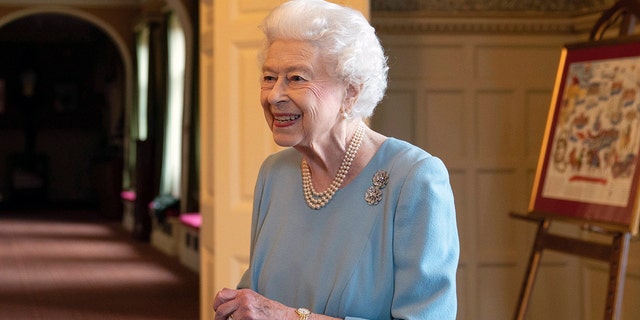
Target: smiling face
[(301, 100)]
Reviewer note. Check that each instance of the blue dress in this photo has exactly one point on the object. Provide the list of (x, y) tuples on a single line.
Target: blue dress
[(396, 259)]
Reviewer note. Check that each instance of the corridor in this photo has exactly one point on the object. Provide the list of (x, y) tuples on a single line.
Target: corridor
[(73, 264)]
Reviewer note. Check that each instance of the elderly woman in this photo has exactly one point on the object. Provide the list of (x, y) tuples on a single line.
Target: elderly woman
[(347, 223)]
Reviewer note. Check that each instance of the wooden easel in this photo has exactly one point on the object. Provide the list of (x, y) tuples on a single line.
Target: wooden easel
[(615, 253), (624, 13)]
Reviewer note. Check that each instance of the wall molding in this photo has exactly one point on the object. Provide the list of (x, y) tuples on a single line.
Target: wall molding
[(482, 6), (413, 24)]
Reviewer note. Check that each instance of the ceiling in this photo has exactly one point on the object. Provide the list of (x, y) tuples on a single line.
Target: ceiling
[(52, 28)]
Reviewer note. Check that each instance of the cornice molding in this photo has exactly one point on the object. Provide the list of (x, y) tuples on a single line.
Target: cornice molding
[(411, 24), (482, 6)]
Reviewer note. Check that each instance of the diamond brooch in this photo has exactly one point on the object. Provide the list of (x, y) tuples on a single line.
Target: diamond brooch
[(373, 196)]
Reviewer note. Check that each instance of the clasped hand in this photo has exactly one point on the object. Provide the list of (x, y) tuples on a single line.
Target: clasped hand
[(245, 304)]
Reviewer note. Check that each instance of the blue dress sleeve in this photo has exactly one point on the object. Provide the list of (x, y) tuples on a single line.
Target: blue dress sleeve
[(426, 245), (246, 281)]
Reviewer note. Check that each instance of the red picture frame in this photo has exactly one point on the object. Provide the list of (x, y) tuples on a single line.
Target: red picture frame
[(588, 168)]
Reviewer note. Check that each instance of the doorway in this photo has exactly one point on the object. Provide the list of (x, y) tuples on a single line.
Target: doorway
[(61, 114)]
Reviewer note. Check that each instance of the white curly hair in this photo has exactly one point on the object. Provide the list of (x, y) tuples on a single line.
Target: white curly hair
[(346, 39)]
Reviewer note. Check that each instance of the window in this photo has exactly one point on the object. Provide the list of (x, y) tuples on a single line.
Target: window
[(143, 80), (171, 164)]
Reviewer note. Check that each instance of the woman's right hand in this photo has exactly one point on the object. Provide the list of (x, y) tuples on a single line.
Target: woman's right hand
[(245, 304)]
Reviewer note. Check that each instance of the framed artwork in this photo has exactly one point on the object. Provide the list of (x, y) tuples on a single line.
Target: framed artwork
[(588, 168)]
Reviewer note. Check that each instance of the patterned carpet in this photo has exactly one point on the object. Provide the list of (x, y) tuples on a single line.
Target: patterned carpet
[(75, 265)]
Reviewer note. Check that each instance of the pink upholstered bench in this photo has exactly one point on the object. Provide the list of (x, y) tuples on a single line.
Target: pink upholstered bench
[(128, 204), (128, 195), (190, 240), (191, 220)]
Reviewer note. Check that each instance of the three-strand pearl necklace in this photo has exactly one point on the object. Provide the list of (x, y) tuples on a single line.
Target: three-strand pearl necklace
[(316, 200)]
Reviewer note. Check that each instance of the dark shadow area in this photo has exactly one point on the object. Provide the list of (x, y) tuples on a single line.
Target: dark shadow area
[(61, 115)]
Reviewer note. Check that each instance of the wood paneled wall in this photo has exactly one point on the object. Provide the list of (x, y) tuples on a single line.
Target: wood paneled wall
[(476, 92)]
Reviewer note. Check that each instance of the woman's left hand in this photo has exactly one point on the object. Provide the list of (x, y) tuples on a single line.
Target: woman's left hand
[(245, 304)]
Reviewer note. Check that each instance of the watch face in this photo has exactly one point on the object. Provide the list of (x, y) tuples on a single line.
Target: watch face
[(303, 311)]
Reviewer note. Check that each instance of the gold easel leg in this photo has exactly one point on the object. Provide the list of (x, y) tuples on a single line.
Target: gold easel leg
[(532, 269), (627, 25), (617, 272)]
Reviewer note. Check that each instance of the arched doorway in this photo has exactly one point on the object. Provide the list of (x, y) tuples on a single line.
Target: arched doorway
[(62, 89)]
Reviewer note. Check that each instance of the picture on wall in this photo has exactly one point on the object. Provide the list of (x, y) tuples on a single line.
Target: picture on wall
[(588, 169)]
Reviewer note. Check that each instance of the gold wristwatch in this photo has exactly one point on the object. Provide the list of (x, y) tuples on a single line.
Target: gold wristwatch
[(303, 313)]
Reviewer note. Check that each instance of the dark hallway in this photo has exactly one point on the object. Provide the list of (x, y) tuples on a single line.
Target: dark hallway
[(75, 264), (61, 114)]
